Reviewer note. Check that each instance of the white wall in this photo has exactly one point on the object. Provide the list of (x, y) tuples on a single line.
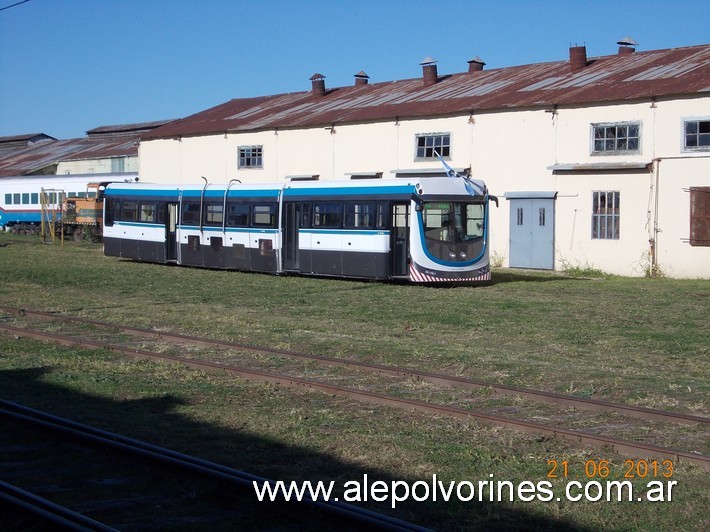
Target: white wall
[(95, 166)]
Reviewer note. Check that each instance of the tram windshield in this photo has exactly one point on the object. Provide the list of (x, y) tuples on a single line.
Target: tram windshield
[(453, 231)]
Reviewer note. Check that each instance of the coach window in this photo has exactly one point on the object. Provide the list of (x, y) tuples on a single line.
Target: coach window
[(238, 214), (112, 209), (148, 212), (213, 214), (359, 215), (327, 215), (8, 199), (35, 198), (381, 221), (305, 215), (263, 215), (191, 213), (16, 199), (129, 213), (25, 198)]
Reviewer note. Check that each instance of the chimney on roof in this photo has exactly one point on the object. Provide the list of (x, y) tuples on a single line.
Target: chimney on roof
[(318, 84), (361, 78), (476, 64), (577, 58), (626, 46), (429, 73)]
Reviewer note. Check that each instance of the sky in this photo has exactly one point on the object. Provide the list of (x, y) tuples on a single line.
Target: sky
[(68, 66)]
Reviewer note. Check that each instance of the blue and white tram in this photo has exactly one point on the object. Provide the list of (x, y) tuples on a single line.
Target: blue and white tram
[(21, 196), (423, 230)]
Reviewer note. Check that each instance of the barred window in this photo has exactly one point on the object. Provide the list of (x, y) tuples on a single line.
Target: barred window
[(615, 138), (250, 156), (697, 135), (428, 144), (605, 215)]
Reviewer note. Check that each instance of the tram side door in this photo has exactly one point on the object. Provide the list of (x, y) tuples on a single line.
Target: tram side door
[(400, 239), (171, 242), (291, 218)]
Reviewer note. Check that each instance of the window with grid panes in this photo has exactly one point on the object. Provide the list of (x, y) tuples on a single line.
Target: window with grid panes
[(697, 135), (615, 138), (250, 157), (428, 146)]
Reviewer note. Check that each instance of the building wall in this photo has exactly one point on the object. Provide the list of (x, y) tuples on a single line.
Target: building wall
[(96, 166), (512, 151)]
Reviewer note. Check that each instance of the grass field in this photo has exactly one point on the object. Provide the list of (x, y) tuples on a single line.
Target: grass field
[(639, 341)]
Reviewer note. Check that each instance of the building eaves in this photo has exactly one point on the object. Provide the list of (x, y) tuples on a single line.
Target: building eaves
[(622, 77)]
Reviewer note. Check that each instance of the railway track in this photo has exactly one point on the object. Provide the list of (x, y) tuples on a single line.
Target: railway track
[(212, 510), (623, 446)]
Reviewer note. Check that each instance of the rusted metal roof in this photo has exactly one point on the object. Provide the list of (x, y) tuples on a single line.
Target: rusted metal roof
[(619, 77), (102, 143), (43, 155)]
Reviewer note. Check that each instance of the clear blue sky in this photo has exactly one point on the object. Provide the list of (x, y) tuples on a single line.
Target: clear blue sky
[(67, 66)]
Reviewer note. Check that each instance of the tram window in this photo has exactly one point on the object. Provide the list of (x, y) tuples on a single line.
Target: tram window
[(213, 214), (263, 215), (35, 198), (129, 212), (111, 212), (327, 215), (381, 219), (238, 214), (147, 212), (360, 215), (306, 215), (191, 213)]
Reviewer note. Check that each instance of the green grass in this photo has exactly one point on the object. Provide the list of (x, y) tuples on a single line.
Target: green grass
[(641, 341)]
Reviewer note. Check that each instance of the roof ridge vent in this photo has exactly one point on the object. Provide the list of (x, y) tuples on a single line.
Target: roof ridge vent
[(476, 64), (626, 45), (361, 78)]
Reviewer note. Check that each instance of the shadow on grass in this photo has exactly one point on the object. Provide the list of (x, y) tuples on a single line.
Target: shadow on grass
[(503, 276), (155, 420)]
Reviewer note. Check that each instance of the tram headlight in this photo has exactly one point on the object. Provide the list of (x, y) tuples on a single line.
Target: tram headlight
[(462, 255), (452, 255)]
